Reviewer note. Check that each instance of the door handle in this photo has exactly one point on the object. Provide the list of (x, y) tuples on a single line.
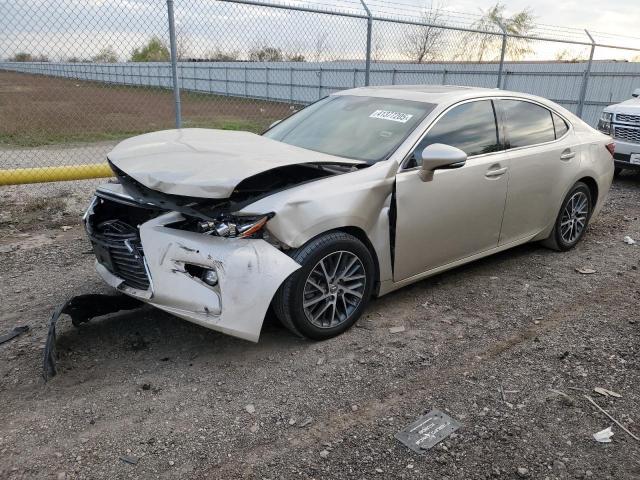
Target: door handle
[(497, 172), (567, 155)]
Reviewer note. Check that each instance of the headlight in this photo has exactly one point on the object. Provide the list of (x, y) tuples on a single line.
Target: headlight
[(236, 226), (606, 116), (604, 124)]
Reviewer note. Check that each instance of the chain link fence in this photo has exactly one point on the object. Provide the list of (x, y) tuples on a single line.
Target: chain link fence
[(77, 76)]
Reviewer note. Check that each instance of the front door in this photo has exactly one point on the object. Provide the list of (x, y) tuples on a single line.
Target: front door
[(459, 212)]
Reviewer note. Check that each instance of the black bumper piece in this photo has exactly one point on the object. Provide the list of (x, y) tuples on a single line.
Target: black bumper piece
[(81, 309)]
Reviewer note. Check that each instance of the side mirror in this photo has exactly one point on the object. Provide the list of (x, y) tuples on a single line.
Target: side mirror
[(274, 124), (440, 156), (636, 93)]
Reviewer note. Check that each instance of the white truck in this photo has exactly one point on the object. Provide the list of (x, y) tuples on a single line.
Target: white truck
[(622, 122)]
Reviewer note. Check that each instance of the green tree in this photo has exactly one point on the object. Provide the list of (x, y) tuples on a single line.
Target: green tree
[(106, 55), (488, 47), (154, 51)]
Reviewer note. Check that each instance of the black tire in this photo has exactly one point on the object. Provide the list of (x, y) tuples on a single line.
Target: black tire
[(288, 300), (617, 171), (556, 241)]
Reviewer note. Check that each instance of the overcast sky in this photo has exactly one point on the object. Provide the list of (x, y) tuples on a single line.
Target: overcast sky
[(63, 29), (615, 16)]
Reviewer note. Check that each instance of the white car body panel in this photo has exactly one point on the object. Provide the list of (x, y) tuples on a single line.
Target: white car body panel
[(249, 273)]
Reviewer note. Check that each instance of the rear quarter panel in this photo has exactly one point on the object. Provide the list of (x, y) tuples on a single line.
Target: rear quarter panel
[(597, 163)]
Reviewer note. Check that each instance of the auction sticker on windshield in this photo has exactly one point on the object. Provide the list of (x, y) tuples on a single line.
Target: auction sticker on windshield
[(393, 116)]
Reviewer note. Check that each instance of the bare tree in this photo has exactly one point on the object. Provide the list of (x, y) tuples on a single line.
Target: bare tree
[(320, 46), (425, 43), (295, 57), (265, 54), (219, 55), (28, 57), (183, 42), (567, 55), (378, 50), (106, 55)]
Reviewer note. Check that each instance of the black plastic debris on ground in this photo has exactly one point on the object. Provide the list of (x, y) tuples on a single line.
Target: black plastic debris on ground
[(427, 431), (13, 333), (81, 309), (130, 459)]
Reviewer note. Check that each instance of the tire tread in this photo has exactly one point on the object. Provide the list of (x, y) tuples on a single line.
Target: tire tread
[(282, 299)]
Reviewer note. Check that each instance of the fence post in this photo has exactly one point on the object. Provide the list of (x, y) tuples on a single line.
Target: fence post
[(585, 79), (367, 70), (503, 50), (174, 63)]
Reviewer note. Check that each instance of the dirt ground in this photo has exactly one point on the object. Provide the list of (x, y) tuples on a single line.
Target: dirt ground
[(38, 110), (186, 402)]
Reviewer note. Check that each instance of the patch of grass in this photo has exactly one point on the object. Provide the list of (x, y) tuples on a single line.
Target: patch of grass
[(40, 204), (40, 139), (53, 111)]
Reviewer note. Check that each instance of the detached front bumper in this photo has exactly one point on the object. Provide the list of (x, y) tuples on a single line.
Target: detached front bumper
[(249, 273)]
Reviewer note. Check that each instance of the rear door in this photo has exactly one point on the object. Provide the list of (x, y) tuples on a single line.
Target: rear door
[(542, 160), (458, 213)]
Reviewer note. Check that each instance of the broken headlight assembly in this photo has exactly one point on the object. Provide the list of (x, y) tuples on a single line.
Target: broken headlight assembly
[(233, 226)]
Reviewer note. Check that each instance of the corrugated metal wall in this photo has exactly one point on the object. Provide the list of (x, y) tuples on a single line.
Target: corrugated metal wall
[(302, 83)]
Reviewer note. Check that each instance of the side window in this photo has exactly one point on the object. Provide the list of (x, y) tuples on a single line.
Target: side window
[(527, 123), (560, 125), (471, 127)]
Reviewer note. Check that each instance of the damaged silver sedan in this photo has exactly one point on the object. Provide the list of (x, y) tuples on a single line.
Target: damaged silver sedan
[(354, 196)]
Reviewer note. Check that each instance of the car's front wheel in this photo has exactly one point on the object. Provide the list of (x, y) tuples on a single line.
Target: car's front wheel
[(573, 218), (329, 293)]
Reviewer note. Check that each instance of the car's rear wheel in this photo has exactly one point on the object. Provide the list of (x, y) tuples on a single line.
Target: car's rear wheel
[(572, 220), (329, 293)]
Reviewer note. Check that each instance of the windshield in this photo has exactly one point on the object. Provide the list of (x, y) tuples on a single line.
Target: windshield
[(361, 128)]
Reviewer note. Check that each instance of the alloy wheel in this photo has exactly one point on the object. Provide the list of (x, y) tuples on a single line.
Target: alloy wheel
[(334, 289), (574, 217)]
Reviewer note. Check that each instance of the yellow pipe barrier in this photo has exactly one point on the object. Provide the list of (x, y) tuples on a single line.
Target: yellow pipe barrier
[(18, 176)]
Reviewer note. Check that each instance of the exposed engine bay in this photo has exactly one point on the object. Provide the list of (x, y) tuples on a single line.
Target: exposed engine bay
[(216, 216)]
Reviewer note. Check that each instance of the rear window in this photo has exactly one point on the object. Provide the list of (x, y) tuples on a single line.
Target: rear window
[(527, 123), (560, 125)]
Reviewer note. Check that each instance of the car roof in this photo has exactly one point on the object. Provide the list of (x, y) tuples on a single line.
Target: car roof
[(437, 94)]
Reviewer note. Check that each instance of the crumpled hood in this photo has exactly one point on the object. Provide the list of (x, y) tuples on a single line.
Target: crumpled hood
[(205, 163)]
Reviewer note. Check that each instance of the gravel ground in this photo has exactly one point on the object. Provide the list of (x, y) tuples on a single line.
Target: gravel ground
[(182, 401)]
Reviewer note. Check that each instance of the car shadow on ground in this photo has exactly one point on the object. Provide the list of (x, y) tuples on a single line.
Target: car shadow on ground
[(145, 336)]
